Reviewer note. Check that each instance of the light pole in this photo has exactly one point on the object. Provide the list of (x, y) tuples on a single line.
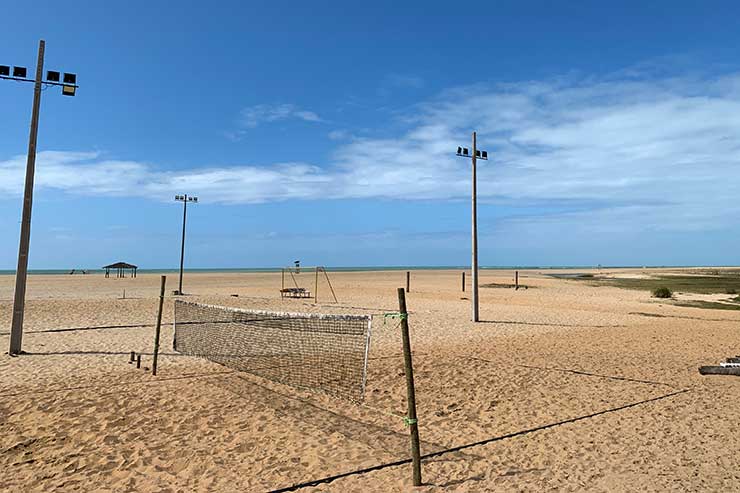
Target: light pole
[(69, 88), (463, 152), (184, 199)]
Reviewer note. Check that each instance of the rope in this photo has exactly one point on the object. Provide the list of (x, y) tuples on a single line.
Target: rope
[(398, 315), (406, 420)]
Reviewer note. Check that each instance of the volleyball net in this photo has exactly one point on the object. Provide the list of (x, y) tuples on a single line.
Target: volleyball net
[(319, 352)]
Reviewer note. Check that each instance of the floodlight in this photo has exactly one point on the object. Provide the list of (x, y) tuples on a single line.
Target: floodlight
[(52, 76), (19, 72), (4, 70), (195, 199), (465, 151), (477, 153), (68, 90), (485, 154), (459, 150), (70, 78)]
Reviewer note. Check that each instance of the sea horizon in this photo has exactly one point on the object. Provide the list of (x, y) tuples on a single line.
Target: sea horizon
[(375, 268)]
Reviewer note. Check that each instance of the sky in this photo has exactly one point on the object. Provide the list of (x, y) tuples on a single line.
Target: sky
[(326, 132)]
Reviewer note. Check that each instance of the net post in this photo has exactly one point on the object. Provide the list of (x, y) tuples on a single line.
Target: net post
[(159, 325), (411, 394)]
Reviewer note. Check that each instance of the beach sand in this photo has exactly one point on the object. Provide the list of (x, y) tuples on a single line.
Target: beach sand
[(562, 386)]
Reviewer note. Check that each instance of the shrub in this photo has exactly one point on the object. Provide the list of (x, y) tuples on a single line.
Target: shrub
[(662, 292), (730, 291)]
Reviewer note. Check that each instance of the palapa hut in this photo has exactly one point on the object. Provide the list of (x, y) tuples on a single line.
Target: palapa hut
[(120, 268)]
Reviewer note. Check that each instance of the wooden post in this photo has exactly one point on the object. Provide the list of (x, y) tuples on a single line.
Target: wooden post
[(411, 395), (316, 287), (138, 360), (516, 280), (463, 281), (408, 281), (159, 324), (133, 357)]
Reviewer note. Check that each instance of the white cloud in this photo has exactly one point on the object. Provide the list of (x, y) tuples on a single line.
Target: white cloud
[(338, 135), (255, 115), (661, 153)]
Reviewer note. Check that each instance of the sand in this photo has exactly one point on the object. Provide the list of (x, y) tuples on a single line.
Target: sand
[(562, 386)]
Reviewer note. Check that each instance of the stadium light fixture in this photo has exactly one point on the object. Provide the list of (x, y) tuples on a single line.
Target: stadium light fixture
[(20, 74), (475, 155), (185, 198)]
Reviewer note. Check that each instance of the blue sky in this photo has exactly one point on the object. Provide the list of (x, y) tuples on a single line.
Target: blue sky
[(326, 131)]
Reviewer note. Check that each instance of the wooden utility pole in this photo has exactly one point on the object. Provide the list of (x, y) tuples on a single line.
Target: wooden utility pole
[(159, 325), (410, 393), (21, 273), (474, 262)]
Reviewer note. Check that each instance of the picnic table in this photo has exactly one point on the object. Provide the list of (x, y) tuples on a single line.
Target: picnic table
[(295, 293)]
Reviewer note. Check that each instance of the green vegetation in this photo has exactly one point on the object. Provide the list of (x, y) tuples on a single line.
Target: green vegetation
[(679, 283), (662, 292), (710, 305), (663, 285), (504, 286)]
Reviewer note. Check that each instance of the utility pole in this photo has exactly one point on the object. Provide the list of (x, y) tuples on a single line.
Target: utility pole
[(21, 273), (474, 260), (69, 88), (463, 152), (184, 199)]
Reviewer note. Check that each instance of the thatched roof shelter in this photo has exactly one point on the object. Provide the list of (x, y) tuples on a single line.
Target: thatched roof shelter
[(120, 268)]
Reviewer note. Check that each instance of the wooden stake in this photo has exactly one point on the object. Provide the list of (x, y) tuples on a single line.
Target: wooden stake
[(463, 282), (138, 360), (159, 325), (516, 280), (316, 287), (133, 357), (408, 281), (411, 395)]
